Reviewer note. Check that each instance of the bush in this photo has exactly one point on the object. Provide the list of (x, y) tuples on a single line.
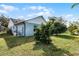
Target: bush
[(72, 28), (9, 32), (57, 28), (42, 35), (37, 34)]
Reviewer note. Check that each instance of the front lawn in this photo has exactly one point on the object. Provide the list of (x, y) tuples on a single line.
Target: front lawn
[(67, 42), (63, 44)]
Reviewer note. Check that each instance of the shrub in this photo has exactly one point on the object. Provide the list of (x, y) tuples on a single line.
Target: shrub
[(37, 34), (9, 32), (42, 34), (72, 28), (57, 28)]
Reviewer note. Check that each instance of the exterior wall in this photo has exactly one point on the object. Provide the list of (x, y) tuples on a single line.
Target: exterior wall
[(13, 28), (0, 23), (29, 29), (0, 27), (20, 29), (26, 29)]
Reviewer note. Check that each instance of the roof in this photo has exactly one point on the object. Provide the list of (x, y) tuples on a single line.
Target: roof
[(28, 21), (37, 17), (16, 21), (19, 22)]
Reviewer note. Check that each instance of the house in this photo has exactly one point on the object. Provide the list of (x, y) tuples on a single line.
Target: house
[(1, 27), (26, 28)]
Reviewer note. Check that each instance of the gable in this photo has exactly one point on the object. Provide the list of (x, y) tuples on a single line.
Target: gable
[(10, 24), (37, 20)]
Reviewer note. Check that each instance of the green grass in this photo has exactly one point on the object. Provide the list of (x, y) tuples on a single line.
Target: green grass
[(64, 44), (67, 42)]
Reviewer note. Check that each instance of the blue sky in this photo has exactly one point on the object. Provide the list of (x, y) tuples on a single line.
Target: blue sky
[(30, 10)]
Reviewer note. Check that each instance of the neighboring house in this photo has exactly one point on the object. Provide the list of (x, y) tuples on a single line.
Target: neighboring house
[(26, 28), (1, 27), (0, 23)]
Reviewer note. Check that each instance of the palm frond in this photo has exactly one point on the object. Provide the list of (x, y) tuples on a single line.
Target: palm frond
[(74, 5)]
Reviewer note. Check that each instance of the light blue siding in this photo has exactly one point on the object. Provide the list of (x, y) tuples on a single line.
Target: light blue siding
[(20, 30), (29, 29), (26, 28)]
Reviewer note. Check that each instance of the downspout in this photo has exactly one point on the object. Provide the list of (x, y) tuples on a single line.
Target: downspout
[(16, 30), (24, 28)]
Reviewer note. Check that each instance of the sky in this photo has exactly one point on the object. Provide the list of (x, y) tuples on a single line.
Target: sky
[(31, 10)]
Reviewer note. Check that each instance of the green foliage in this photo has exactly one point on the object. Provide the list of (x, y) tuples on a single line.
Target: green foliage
[(52, 19), (37, 34), (73, 28), (57, 27), (9, 31), (43, 33), (4, 21), (74, 5)]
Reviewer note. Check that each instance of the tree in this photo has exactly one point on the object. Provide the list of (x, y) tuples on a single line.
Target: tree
[(57, 26), (52, 19), (74, 28), (4, 21), (42, 34), (74, 5)]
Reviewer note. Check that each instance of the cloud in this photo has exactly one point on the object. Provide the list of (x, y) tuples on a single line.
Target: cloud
[(23, 8), (2, 11), (20, 17), (7, 8), (40, 10), (33, 8), (45, 14), (70, 17)]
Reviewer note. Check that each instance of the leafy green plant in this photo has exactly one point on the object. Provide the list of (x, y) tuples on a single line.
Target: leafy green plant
[(42, 34), (72, 28), (9, 31), (57, 28)]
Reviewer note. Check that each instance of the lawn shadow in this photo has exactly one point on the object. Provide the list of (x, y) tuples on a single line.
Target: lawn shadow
[(4, 35), (66, 36), (13, 41), (51, 50), (16, 41)]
